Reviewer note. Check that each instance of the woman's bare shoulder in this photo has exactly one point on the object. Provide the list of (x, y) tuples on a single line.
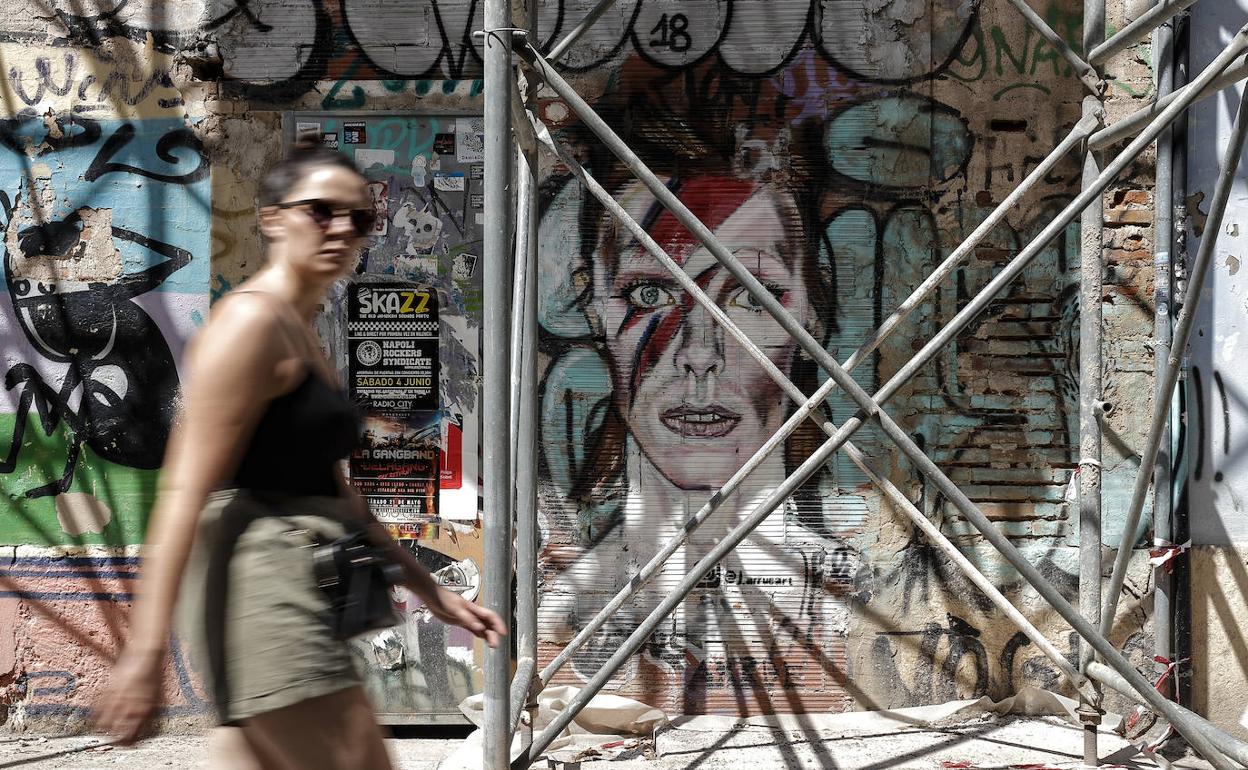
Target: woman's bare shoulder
[(243, 330)]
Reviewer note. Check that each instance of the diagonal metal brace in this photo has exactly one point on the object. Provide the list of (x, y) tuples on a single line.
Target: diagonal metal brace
[(1086, 73)]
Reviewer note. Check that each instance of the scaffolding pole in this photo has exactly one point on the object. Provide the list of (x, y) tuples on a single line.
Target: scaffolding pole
[(1084, 71), (1229, 745), (525, 687), (1136, 121), (1170, 375), (1091, 394), (1134, 32), (503, 704), (576, 32), (495, 396), (1163, 232), (524, 419)]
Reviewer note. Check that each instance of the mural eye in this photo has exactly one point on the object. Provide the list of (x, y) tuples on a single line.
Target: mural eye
[(45, 288), (742, 298), (650, 296), (22, 287)]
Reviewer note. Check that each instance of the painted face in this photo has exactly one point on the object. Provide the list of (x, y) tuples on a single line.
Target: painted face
[(697, 404), (321, 252)]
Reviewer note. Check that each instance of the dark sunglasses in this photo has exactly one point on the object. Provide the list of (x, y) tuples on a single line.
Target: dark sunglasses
[(323, 213)]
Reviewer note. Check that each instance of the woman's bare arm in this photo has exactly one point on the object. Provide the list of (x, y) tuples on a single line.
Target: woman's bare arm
[(447, 606), (231, 381), (233, 373)]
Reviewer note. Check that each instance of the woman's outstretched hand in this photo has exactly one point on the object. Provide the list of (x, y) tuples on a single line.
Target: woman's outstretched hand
[(449, 607), (131, 698)]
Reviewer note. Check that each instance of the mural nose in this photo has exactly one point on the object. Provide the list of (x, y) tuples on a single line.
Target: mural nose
[(701, 349)]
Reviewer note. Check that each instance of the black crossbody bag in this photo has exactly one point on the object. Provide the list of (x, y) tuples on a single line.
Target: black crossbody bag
[(356, 575)]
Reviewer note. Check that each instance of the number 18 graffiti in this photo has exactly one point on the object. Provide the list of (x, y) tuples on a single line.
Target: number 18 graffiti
[(673, 33)]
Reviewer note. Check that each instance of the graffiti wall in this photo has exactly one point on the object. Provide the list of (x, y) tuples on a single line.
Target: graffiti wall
[(840, 154), (104, 192), (840, 149)]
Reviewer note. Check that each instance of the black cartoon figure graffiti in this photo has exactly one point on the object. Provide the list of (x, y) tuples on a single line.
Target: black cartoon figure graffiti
[(118, 392)]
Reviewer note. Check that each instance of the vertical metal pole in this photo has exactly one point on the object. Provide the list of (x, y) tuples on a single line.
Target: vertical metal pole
[(1091, 269), (495, 398), (526, 444), (1163, 229), (1181, 596)]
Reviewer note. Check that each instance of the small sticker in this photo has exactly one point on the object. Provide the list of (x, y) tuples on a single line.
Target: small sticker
[(444, 144), (420, 167), (354, 132), (479, 218), (422, 227), (366, 159), (477, 200), (330, 139), (464, 266), (469, 140), (306, 128), (478, 172), (449, 181), (381, 204)]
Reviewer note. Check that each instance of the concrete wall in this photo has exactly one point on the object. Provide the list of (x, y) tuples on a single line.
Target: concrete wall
[(1216, 410), (841, 148)]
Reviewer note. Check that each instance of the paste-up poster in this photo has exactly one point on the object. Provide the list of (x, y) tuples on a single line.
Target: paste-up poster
[(392, 370), (470, 140)]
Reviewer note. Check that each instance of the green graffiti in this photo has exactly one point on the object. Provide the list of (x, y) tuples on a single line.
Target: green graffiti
[(113, 500), (331, 100), (991, 49)]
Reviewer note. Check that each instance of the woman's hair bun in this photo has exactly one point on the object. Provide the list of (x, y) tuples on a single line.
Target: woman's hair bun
[(306, 152)]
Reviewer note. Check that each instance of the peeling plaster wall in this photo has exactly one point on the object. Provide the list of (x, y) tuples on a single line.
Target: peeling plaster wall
[(842, 147)]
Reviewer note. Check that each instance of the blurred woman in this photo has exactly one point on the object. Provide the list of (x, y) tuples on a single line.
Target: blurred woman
[(252, 477)]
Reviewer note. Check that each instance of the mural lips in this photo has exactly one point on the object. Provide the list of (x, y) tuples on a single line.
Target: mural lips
[(713, 421)]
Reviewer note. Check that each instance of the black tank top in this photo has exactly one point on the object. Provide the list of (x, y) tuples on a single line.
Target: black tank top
[(303, 434), (299, 439)]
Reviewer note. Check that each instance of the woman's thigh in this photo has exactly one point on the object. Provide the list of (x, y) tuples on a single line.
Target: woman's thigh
[(230, 748), (338, 731)]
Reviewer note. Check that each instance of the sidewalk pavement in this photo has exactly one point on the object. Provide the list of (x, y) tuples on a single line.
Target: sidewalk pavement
[(1017, 743)]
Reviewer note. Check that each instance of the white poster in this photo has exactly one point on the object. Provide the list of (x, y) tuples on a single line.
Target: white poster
[(469, 140)]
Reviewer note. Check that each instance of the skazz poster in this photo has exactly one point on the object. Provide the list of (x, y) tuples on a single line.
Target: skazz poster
[(392, 345)]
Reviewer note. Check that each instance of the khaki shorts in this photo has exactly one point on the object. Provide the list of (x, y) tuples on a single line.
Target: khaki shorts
[(256, 624)]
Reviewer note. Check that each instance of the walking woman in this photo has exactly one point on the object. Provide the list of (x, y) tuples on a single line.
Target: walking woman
[(252, 476)]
